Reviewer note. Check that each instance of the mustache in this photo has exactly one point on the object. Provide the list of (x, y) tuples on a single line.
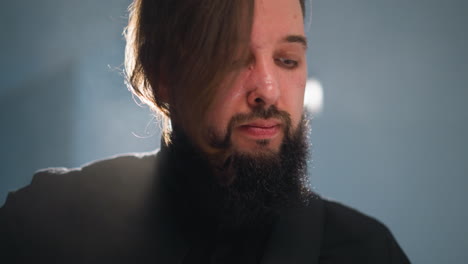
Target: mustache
[(219, 142)]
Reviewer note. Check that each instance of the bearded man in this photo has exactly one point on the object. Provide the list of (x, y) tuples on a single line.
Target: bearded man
[(229, 183)]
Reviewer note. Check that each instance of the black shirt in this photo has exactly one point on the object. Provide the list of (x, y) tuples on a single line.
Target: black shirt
[(115, 211)]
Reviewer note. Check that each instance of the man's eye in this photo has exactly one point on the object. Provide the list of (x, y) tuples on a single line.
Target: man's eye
[(286, 63)]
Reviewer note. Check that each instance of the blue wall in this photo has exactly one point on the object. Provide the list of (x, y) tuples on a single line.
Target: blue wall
[(392, 138), (390, 141)]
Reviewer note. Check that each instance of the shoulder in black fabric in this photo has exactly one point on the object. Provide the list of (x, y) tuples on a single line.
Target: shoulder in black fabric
[(352, 237), (104, 211)]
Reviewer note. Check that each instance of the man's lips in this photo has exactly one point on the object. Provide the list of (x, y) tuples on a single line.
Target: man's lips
[(261, 129)]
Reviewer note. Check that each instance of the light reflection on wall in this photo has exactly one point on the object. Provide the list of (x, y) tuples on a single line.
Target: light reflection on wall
[(313, 97)]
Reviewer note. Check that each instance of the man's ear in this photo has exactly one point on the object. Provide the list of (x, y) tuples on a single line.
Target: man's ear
[(160, 88), (163, 93)]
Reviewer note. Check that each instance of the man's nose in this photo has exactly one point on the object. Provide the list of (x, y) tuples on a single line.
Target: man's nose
[(262, 84)]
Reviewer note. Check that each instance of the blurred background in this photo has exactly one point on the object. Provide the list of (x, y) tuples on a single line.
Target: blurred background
[(390, 139)]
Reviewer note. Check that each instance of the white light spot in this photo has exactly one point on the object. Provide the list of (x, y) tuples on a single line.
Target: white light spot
[(313, 98)]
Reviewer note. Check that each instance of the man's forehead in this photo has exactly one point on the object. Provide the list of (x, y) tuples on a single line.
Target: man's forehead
[(277, 22), (282, 10)]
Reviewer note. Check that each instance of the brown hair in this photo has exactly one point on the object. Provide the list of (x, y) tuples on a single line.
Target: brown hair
[(189, 45)]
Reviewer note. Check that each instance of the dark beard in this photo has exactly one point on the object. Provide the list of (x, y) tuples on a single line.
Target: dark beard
[(261, 185)]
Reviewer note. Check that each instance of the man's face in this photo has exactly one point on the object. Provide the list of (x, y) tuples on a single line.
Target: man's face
[(252, 136), (265, 100)]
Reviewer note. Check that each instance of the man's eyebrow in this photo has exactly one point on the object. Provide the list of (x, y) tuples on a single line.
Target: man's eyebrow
[(296, 39)]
